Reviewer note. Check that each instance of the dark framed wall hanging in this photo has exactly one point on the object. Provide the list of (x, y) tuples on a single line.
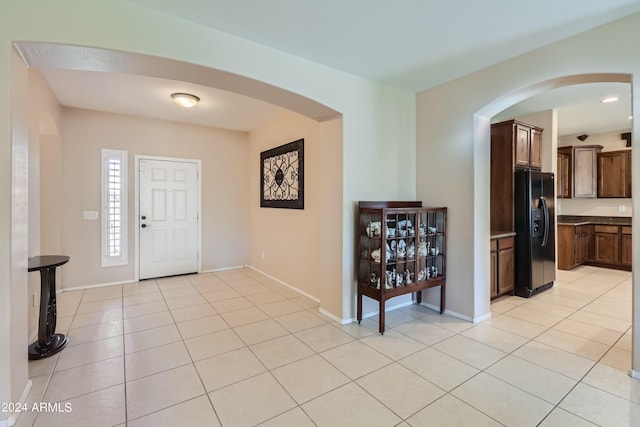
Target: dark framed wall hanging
[(282, 176)]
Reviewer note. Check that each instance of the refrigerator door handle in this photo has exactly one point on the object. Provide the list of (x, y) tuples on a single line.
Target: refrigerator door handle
[(545, 210)]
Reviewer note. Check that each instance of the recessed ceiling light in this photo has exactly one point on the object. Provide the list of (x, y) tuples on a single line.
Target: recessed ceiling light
[(610, 99), (185, 100)]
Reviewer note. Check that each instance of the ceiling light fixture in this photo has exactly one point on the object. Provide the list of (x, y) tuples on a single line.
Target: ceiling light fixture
[(630, 117), (610, 99), (185, 100)]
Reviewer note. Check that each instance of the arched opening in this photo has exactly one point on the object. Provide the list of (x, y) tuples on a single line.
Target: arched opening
[(482, 120), (327, 120)]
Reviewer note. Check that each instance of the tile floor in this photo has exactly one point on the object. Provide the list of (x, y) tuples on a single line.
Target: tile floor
[(237, 349)]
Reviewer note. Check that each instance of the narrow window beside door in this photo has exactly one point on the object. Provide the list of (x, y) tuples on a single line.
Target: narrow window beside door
[(114, 207)]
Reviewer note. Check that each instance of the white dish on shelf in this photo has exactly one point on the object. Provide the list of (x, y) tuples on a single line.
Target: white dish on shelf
[(373, 229)]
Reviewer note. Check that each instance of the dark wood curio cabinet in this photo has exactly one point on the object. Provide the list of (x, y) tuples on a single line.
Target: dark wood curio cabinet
[(401, 250)]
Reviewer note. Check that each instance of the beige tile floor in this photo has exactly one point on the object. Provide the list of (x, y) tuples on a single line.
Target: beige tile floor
[(237, 349)]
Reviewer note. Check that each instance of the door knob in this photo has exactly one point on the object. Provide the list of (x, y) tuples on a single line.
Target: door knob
[(143, 217), (144, 226)]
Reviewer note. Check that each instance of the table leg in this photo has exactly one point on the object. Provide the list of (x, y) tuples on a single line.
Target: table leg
[(49, 342)]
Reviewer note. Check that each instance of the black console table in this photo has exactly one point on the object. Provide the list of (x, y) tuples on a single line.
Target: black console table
[(49, 343)]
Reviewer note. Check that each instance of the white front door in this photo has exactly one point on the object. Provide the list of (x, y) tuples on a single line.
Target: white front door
[(168, 217)]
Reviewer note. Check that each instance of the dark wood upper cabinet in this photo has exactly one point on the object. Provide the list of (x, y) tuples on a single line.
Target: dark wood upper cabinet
[(585, 171), (577, 173), (535, 150), (564, 176), (614, 174), (514, 144), (527, 142)]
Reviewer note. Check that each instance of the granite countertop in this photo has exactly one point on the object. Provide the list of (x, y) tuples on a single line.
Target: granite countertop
[(499, 234), (584, 220)]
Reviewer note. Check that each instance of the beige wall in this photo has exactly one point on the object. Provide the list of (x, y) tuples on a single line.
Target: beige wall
[(610, 141), (44, 182), (224, 181), (288, 238)]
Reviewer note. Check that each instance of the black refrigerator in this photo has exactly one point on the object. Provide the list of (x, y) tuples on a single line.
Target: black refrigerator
[(534, 220)]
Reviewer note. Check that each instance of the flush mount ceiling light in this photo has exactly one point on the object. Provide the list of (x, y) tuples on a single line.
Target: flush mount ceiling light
[(185, 100), (610, 99)]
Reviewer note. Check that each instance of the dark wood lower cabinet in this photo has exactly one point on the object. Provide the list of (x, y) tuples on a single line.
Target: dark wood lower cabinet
[(607, 244), (625, 243), (600, 245), (573, 245), (503, 263), (494, 268)]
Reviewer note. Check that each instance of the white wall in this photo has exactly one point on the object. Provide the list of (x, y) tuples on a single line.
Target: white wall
[(14, 227), (621, 207)]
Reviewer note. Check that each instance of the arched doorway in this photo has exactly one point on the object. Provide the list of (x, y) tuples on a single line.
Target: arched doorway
[(482, 139)]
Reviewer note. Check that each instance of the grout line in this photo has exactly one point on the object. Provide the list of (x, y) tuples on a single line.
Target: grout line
[(412, 317)]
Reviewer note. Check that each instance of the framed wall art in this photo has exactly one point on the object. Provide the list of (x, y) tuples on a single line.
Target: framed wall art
[(282, 176)]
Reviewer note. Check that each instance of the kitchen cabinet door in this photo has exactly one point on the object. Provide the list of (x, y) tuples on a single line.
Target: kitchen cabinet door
[(614, 174), (506, 270), (607, 243), (585, 171), (523, 142), (566, 246), (535, 149), (494, 269), (563, 179), (626, 258)]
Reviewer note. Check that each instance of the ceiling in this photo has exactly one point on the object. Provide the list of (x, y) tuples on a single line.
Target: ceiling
[(409, 44), (579, 108), (141, 96)]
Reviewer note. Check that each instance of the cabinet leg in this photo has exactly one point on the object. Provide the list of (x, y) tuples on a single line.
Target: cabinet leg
[(359, 312), (419, 297), (381, 326), (442, 293)]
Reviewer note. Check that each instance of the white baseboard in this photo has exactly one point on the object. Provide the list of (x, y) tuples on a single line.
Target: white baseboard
[(634, 374), (293, 288), (482, 318), (458, 315), (333, 317), (215, 270), (99, 285), (376, 312), (13, 418), (125, 282)]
